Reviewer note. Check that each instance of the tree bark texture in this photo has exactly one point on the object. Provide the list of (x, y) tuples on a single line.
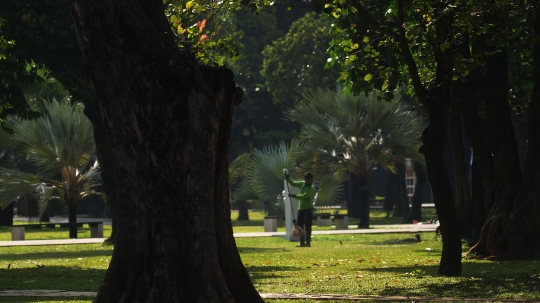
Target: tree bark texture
[(167, 122)]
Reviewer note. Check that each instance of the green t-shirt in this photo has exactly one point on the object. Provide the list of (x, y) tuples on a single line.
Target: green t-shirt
[(306, 195)]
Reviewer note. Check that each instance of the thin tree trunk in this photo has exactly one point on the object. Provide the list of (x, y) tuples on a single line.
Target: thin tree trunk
[(418, 197), (167, 122), (6, 215), (462, 190), (72, 219), (390, 196)]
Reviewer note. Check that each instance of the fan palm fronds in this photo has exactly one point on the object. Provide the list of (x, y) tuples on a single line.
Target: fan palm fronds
[(59, 149), (353, 133)]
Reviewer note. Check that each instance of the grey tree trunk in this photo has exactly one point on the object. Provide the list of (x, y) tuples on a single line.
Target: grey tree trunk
[(167, 122)]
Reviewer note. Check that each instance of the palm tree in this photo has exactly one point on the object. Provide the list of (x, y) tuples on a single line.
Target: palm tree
[(264, 181), (59, 147), (353, 133)]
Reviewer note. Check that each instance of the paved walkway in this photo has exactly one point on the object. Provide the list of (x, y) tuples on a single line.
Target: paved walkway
[(376, 229), (318, 297)]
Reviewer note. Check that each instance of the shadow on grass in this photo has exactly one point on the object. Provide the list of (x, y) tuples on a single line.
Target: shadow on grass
[(48, 299), (247, 250), (48, 255), (259, 273), (494, 286), (69, 276)]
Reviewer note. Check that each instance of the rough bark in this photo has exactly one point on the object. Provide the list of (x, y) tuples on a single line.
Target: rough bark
[(416, 213), (167, 122)]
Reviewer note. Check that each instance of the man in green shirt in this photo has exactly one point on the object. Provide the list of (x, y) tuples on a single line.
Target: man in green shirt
[(305, 207)]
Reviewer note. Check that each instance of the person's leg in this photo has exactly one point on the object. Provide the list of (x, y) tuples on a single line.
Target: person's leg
[(308, 223), (301, 221)]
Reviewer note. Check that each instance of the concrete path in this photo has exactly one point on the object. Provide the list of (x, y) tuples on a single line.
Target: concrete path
[(318, 297), (376, 229)]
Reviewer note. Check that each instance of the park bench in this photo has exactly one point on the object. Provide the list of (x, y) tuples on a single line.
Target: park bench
[(325, 219), (271, 223), (17, 231)]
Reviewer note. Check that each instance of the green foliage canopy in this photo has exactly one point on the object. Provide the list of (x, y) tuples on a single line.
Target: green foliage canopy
[(296, 63)]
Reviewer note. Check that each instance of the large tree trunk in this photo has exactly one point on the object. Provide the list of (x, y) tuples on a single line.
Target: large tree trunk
[(167, 122), (501, 137), (418, 197), (516, 235)]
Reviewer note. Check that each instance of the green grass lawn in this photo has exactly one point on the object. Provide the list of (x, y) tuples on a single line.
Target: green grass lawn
[(390, 264)]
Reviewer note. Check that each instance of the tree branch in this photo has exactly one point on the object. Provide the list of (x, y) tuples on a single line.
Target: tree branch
[(420, 89)]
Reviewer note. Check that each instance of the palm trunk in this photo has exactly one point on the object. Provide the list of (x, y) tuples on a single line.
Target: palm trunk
[(243, 213), (363, 188), (72, 215)]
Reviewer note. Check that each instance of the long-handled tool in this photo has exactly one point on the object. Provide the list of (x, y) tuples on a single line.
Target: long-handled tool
[(296, 230)]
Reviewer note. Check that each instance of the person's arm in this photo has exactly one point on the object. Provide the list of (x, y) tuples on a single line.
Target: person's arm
[(310, 192), (295, 183)]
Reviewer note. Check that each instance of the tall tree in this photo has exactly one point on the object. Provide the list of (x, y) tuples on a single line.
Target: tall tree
[(59, 146), (353, 133), (167, 121), (380, 48)]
